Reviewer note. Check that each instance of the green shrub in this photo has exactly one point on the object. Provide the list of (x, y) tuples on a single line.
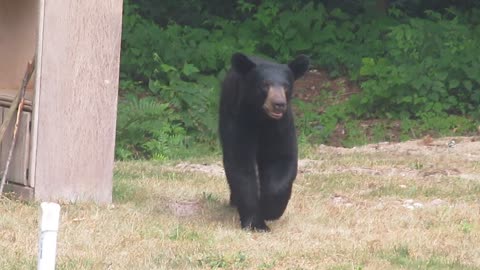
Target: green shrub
[(432, 67), (418, 69), (147, 129)]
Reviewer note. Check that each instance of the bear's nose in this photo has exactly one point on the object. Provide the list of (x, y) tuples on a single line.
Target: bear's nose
[(279, 106)]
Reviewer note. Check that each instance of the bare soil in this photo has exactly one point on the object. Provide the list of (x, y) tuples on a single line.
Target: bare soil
[(462, 149), (310, 86)]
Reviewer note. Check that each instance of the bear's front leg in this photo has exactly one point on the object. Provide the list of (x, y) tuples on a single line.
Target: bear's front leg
[(276, 179), (277, 167), (242, 180), (239, 161)]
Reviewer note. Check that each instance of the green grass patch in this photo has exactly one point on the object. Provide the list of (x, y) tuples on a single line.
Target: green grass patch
[(402, 257)]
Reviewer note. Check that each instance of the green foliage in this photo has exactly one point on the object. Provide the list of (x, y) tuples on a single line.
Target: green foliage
[(167, 104), (173, 111), (402, 257), (177, 68), (276, 29), (466, 226), (216, 261), (418, 69), (314, 127), (308, 121), (147, 129), (354, 134), (431, 68), (191, 96), (437, 125), (181, 233)]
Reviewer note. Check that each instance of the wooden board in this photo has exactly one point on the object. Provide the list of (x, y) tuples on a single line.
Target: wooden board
[(18, 35), (8, 95), (21, 192), (76, 100), (17, 172)]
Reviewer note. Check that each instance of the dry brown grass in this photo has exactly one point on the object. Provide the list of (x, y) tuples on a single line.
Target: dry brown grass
[(385, 206)]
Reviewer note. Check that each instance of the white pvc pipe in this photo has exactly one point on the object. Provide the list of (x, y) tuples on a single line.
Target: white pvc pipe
[(47, 248)]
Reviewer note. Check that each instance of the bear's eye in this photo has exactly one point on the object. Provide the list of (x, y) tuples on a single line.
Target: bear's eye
[(266, 85)]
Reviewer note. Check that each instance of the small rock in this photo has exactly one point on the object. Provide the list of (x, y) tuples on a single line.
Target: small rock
[(452, 143), (418, 205), (411, 204), (379, 206), (339, 200), (437, 202)]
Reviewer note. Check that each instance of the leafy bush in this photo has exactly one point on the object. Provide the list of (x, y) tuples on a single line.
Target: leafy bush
[(165, 104), (437, 125), (191, 96), (412, 68), (147, 129), (431, 68), (172, 115)]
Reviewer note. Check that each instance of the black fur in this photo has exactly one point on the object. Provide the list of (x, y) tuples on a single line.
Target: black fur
[(259, 153)]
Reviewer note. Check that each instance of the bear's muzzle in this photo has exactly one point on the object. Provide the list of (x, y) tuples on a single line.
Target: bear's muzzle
[(275, 104)]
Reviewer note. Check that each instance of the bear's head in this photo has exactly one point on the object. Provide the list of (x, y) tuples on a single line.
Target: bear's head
[(268, 85)]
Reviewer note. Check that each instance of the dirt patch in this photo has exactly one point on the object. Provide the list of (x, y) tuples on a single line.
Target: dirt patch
[(458, 148), (185, 208), (214, 169), (316, 82), (466, 147), (318, 88), (338, 200)]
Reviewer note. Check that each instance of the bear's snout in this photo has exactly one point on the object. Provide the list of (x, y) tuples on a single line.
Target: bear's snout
[(279, 106), (275, 104)]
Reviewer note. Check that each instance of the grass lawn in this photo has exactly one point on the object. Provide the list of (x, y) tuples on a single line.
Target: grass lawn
[(412, 205)]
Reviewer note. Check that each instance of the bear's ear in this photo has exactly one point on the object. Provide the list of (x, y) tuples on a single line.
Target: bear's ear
[(241, 63), (299, 66)]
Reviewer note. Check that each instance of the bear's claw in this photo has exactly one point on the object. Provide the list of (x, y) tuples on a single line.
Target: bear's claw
[(256, 225)]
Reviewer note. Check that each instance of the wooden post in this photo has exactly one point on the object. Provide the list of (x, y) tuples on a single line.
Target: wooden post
[(74, 114)]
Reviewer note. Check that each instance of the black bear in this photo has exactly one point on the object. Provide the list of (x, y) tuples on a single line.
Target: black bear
[(257, 135)]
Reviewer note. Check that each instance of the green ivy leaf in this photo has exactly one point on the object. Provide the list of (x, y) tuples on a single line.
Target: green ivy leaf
[(452, 100), (468, 84), (453, 84), (189, 69), (339, 14), (367, 66), (442, 75), (167, 68)]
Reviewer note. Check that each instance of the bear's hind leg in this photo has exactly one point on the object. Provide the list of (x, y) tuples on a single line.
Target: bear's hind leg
[(233, 200)]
